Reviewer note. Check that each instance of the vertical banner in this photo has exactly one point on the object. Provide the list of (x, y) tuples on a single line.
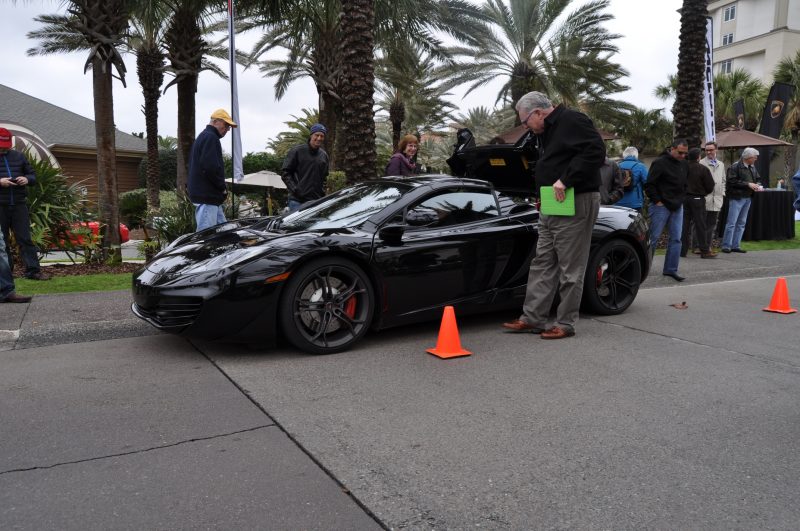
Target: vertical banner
[(775, 110), (236, 132), (708, 84)]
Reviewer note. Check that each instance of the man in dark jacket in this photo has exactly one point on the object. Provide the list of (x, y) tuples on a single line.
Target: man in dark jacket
[(699, 183), (666, 188), (571, 152), (7, 293), (740, 183), (16, 175), (611, 187), (305, 169), (207, 171)]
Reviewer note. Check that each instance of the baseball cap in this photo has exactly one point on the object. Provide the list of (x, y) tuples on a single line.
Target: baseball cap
[(5, 138), (222, 114)]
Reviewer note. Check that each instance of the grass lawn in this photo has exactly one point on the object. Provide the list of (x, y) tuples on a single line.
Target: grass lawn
[(69, 284)]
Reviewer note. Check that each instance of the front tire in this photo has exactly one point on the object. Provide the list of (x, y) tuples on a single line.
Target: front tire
[(613, 277), (327, 306)]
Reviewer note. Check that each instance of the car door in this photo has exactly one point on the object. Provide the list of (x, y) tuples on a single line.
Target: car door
[(453, 249)]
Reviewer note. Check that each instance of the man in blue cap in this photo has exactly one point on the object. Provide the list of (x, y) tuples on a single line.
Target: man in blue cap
[(305, 169)]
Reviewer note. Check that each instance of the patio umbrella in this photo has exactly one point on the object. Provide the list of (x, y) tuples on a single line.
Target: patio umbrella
[(266, 179), (732, 138)]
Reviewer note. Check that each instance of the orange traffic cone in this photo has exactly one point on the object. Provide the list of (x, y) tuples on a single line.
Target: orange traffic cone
[(448, 345), (780, 299)]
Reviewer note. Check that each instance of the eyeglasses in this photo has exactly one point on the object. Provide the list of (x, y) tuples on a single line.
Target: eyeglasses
[(529, 116)]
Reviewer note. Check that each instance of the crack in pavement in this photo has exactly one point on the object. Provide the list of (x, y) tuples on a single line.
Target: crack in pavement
[(133, 452)]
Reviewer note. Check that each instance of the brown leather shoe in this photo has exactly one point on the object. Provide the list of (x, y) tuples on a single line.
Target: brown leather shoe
[(38, 276), (696, 251), (13, 297), (557, 333), (518, 325), (708, 254)]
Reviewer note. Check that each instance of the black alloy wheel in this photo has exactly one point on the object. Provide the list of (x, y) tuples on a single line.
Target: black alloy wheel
[(613, 277), (327, 306)]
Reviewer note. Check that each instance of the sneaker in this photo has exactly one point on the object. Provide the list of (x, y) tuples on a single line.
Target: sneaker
[(38, 276), (737, 250), (726, 251)]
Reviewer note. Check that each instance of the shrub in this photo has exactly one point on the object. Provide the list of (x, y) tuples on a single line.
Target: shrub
[(176, 218), (167, 169), (133, 207), (336, 181), (54, 205)]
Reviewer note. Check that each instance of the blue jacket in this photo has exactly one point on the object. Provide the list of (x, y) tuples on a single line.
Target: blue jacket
[(207, 169), (633, 198), (14, 164)]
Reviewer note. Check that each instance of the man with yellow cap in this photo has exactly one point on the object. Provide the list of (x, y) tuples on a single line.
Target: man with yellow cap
[(207, 171)]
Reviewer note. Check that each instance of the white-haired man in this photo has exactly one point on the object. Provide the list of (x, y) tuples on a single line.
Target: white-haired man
[(571, 152), (740, 184)]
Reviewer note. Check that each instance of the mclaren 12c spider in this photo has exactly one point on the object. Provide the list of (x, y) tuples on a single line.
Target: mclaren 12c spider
[(379, 254)]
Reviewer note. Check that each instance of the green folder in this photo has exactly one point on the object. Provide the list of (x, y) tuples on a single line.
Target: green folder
[(551, 207)]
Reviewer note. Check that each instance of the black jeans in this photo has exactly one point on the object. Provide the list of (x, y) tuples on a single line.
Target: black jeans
[(694, 211), (15, 217)]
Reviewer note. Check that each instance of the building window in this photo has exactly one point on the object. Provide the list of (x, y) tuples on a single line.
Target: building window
[(727, 39), (730, 13), (726, 66)]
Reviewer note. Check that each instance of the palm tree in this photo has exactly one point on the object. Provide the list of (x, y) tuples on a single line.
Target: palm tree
[(358, 74), (788, 71), (147, 42), (298, 133), (688, 108), (537, 45), (102, 25), (311, 33), (738, 85), (485, 123), (648, 130), (410, 90)]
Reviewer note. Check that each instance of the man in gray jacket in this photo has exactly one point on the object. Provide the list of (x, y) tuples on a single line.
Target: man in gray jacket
[(716, 197)]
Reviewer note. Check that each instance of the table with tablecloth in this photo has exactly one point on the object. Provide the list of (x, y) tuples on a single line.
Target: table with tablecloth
[(771, 216)]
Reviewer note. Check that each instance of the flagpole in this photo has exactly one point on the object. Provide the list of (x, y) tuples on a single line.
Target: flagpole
[(236, 133)]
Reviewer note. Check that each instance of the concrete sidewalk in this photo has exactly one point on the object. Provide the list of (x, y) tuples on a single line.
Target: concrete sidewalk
[(80, 317)]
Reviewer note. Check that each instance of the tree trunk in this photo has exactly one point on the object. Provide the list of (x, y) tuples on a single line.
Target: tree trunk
[(186, 131), (688, 107), (106, 161), (358, 23), (150, 69), (329, 110)]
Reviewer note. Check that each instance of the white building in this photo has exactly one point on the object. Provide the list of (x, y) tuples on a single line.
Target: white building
[(754, 35)]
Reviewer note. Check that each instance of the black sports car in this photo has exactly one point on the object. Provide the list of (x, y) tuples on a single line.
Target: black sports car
[(375, 255)]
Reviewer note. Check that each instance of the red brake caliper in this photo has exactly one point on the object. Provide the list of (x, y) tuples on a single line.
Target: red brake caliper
[(350, 307)]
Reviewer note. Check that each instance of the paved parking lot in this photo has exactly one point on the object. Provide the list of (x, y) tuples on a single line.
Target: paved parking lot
[(658, 418)]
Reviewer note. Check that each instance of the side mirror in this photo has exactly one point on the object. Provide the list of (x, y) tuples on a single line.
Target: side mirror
[(392, 234)]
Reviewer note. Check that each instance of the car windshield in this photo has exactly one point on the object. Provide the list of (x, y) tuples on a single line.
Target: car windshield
[(346, 208)]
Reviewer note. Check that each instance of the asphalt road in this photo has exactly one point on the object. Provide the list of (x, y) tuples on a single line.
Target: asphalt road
[(659, 418)]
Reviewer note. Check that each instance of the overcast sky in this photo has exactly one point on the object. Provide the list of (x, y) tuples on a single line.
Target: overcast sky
[(648, 50)]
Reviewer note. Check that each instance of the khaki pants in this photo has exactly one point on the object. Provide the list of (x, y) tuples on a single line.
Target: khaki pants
[(560, 263)]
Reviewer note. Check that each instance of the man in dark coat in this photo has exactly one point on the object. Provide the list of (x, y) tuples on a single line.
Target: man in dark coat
[(740, 184), (666, 188), (571, 152), (7, 293), (207, 171), (699, 183), (305, 169), (16, 175)]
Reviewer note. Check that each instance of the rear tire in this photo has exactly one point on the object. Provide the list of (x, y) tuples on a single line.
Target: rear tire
[(613, 277), (326, 306)]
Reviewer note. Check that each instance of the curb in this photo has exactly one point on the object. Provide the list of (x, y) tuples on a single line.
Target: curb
[(42, 336)]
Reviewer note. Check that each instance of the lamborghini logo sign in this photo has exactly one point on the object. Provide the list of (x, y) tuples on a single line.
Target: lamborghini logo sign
[(776, 108)]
